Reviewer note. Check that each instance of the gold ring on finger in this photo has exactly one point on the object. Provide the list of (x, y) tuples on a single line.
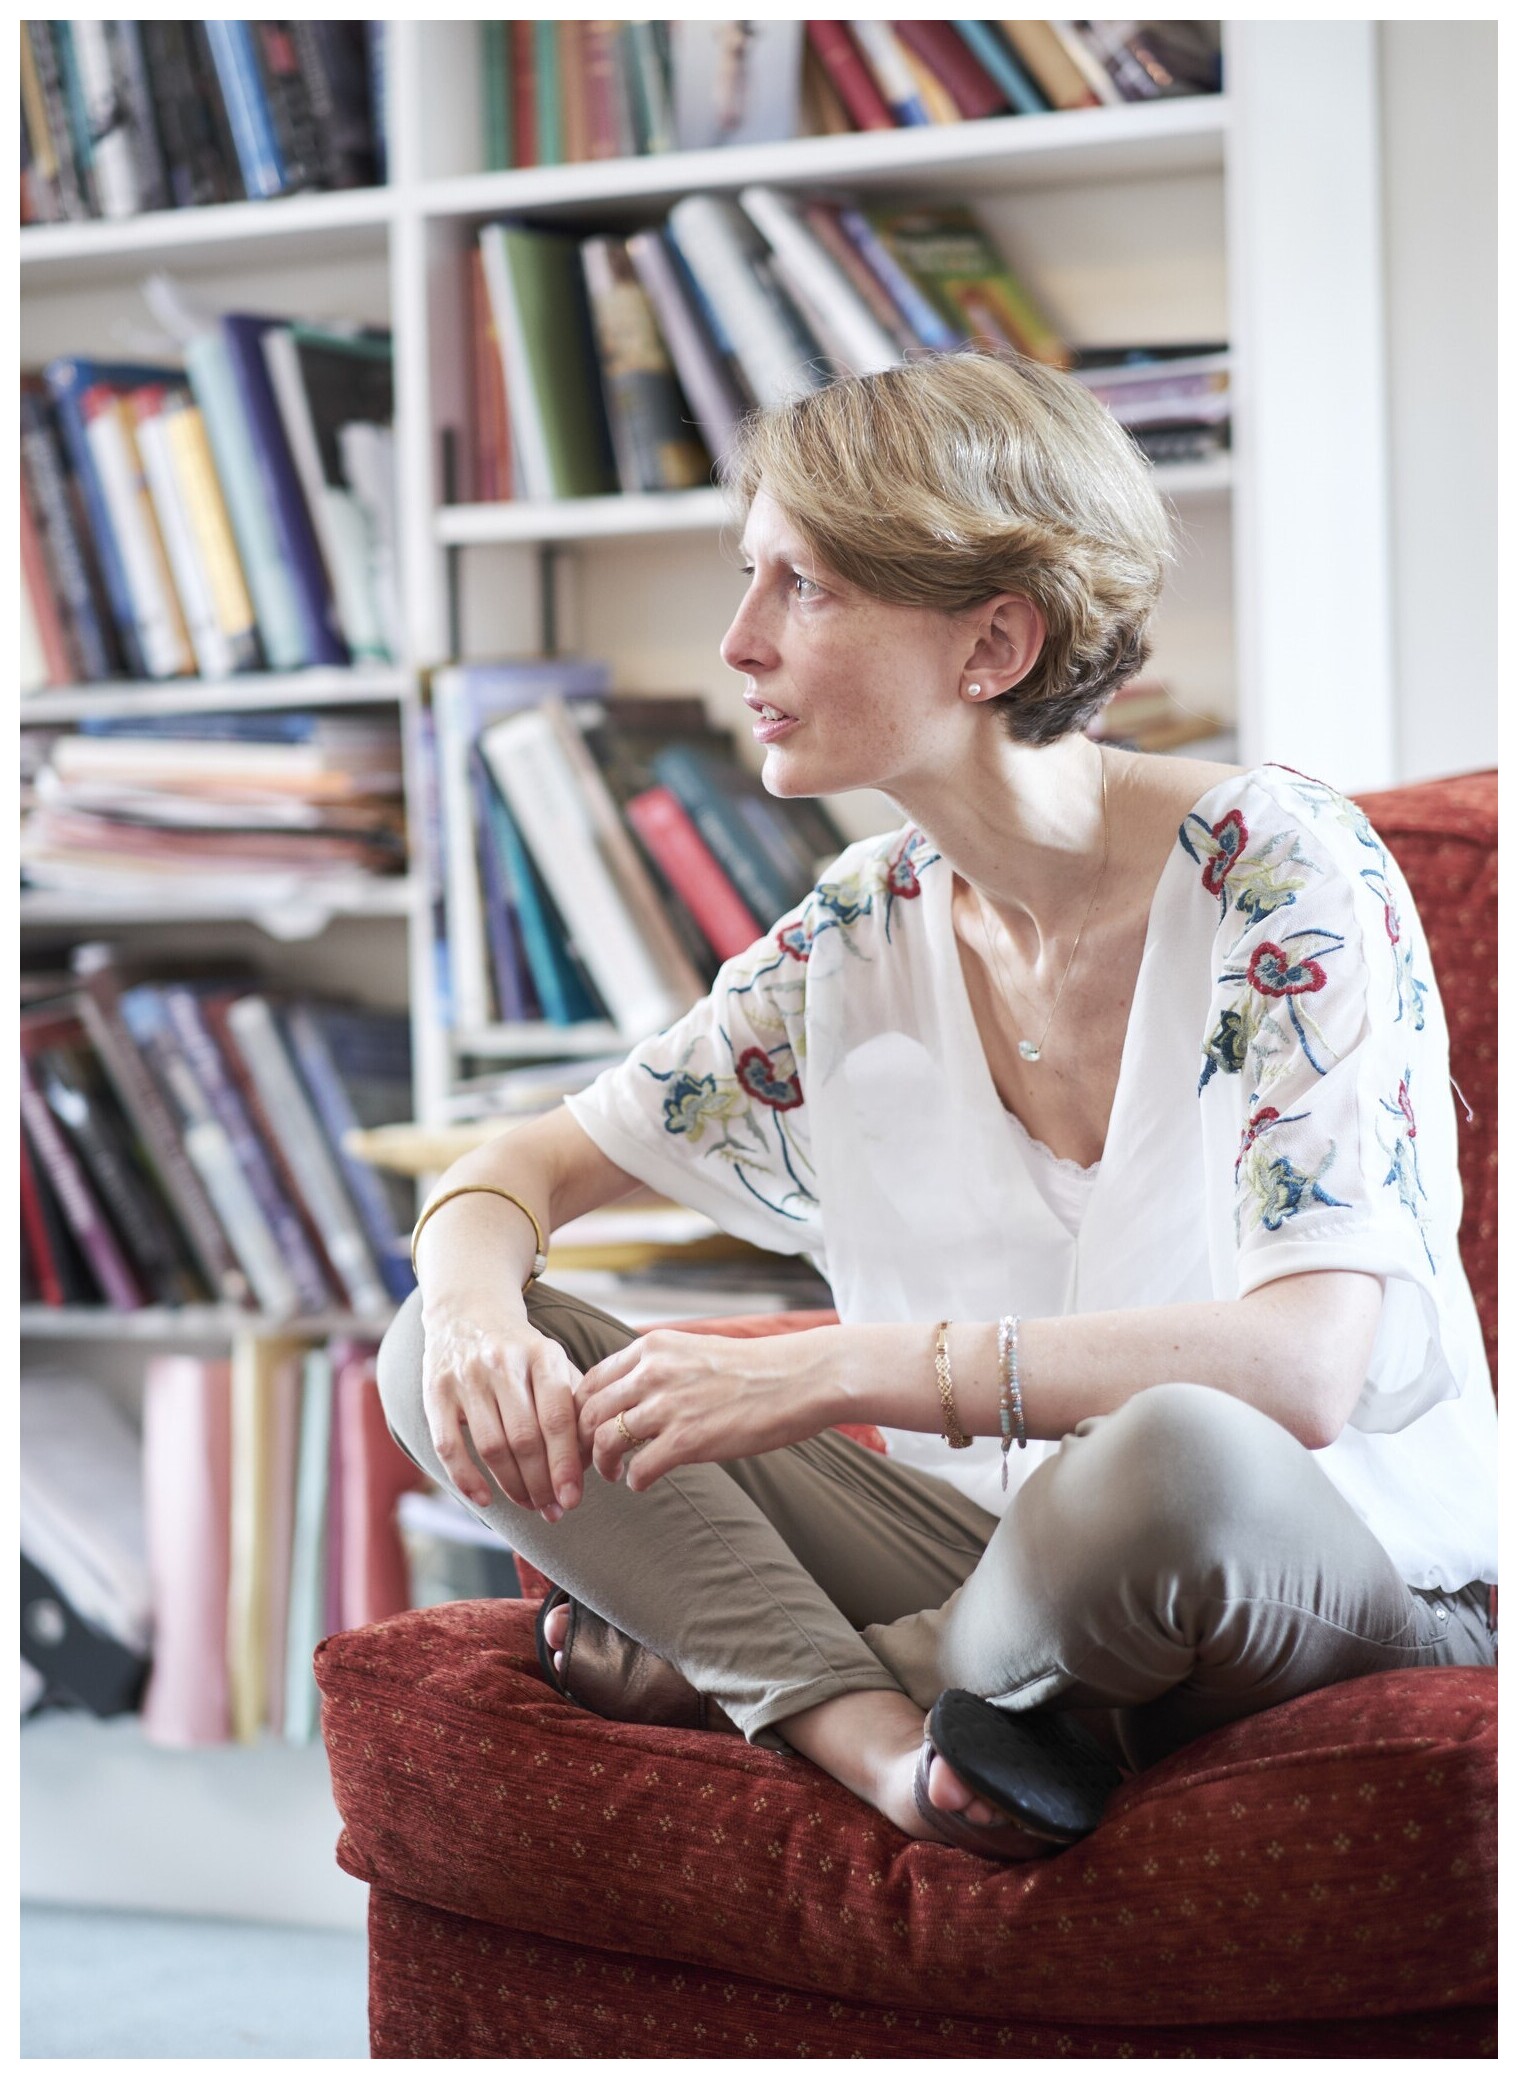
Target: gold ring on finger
[(627, 1436)]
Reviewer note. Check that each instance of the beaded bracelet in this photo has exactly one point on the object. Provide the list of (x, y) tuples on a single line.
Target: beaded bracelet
[(953, 1435), (1011, 1403)]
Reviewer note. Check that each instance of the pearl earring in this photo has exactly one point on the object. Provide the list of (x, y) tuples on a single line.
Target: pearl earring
[(974, 689)]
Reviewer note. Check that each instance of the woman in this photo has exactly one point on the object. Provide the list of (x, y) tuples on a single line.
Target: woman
[(1110, 1093)]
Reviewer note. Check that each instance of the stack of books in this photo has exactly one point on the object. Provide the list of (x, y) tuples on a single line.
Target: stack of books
[(1176, 401), (562, 91), (597, 856), (183, 1141), (615, 363), (1145, 715), (234, 515), (244, 807), (122, 117)]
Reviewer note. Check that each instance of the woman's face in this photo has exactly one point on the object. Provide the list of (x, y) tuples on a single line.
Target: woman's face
[(868, 693)]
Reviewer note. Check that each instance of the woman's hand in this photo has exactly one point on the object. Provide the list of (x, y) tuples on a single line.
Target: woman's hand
[(695, 1399), (490, 1379)]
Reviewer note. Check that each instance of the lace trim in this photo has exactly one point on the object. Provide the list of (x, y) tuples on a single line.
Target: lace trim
[(1066, 1164)]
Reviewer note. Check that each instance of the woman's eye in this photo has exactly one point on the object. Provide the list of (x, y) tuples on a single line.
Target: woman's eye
[(805, 586)]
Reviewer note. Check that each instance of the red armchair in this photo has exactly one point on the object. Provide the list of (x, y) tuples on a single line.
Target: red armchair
[(1319, 1880)]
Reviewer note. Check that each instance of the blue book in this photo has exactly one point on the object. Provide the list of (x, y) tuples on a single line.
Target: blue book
[(257, 726), (242, 92), (562, 986), (1007, 72), (296, 537), (514, 993), (356, 1065), (919, 313), (67, 380)]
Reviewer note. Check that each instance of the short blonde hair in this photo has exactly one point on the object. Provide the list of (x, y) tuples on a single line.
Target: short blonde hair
[(952, 478)]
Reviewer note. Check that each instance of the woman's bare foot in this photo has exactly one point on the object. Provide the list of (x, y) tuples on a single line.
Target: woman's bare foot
[(869, 1739)]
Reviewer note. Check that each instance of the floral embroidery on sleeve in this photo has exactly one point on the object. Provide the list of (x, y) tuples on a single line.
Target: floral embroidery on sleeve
[(1255, 884), (1272, 1187), (1275, 978), (1402, 1175)]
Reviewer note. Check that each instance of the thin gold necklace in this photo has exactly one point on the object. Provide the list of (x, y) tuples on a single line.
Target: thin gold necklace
[(1032, 1050)]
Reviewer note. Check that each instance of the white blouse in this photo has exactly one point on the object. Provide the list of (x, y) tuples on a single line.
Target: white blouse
[(1283, 1104)]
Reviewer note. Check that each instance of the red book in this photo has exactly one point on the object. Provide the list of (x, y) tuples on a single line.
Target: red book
[(524, 89), (599, 52), (117, 1280), (187, 1503), (375, 1472), (50, 631), (36, 1233), (678, 848), (946, 54), (840, 58), (492, 422)]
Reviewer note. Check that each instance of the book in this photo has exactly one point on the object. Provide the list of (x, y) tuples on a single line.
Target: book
[(55, 662), (307, 1155), (564, 992), (99, 1006), (955, 265), (254, 140), (77, 1284), (187, 1501), (1004, 67), (667, 831), (288, 100), (515, 1000), (1087, 63), (491, 479), (601, 887), (843, 62), (265, 1372), (189, 114), (496, 85), (824, 220), (654, 447), (938, 103), (199, 495), (734, 83), (375, 1473), (214, 657), (706, 788), (335, 66), (558, 423), (1058, 78), (928, 326), (129, 71), (944, 51), (35, 1234), (282, 1413), (44, 193), (648, 81), (866, 344), (119, 1282), (68, 556), (162, 639), (356, 1067), (734, 269), (892, 75), (548, 127), (105, 113), (306, 1619), (715, 400), (524, 126)]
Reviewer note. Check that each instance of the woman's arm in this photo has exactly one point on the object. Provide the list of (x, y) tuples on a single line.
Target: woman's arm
[(1297, 1349)]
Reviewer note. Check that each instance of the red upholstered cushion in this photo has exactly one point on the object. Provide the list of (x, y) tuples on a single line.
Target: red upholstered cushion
[(1443, 835), (1334, 1857)]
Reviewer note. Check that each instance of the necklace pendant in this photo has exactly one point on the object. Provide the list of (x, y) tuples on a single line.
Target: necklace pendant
[(1028, 1049)]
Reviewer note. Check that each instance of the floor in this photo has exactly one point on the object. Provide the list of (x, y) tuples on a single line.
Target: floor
[(101, 1984)]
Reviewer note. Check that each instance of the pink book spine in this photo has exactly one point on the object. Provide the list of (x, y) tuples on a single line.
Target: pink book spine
[(722, 916), (375, 1473), (332, 1608), (187, 1494), (284, 1445)]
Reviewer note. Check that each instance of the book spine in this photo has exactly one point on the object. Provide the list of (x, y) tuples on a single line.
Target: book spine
[(110, 138), (157, 1135), (320, 1074), (1087, 63), (213, 654), (208, 365), (47, 193), (549, 97), (188, 1024), (195, 171), (59, 663), (67, 380), (866, 345), (289, 104), (557, 979), (342, 68), (524, 86), (76, 115), (844, 65), (513, 1000), (65, 551), (920, 314), (528, 432), (675, 843), (974, 91), (655, 450), (882, 54), (308, 1550), (709, 389), (934, 95), (131, 72), (252, 1026), (186, 1480), (253, 139), (281, 488), (44, 60), (161, 636), (118, 1282), (1046, 60), (603, 90), (653, 118), (744, 861), (206, 514), (574, 103), (822, 218), (998, 60), (34, 1227), (773, 347)]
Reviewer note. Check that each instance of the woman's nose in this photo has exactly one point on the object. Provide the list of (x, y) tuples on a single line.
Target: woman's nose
[(745, 647)]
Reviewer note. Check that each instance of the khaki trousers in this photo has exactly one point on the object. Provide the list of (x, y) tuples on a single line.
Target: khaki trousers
[(1176, 1565)]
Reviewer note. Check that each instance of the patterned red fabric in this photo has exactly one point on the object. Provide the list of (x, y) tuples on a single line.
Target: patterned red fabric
[(1333, 1859), (1319, 1880)]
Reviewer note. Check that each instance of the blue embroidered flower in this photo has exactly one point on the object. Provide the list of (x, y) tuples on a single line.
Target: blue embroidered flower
[(1402, 1175), (761, 1076), (1286, 1190), (690, 1101), (1227, 1049)]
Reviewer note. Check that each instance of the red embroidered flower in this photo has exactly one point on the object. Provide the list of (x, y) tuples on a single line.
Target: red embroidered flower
[(1230, 836), (1274, 973), (795, 941), (1405, 1104), (759, 1077), (901, 874), (1267, 1115), (1393, 922)]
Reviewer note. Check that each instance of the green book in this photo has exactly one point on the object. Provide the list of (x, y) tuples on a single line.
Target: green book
[(495, 42), (968, 282), (558, 416), (545, 52)]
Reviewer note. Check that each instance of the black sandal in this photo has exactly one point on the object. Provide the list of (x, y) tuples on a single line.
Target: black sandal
[(1040, 1769), (611, 1674)]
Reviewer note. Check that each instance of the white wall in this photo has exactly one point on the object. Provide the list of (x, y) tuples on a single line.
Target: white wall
[(1439, 178)]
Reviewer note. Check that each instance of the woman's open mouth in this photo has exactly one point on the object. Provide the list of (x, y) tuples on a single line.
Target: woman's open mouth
[(771, 722)]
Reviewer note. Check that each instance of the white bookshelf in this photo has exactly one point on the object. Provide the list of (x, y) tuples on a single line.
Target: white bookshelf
[(1252, 216)]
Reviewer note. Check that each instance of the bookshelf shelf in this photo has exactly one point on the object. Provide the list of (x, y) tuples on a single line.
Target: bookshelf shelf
[(530, 1041), (59, 256), (1078, 145), (696, 512), (292, 909), (215, 1325), (218, 696)]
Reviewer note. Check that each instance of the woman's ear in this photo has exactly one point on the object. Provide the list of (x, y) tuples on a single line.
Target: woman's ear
[(1010, 633)]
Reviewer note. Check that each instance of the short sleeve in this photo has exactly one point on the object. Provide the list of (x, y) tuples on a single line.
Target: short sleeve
[(712, 1111), (1328, 1127)]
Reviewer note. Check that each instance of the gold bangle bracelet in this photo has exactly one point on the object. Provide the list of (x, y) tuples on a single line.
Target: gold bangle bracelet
[(540, 1258), (953, 1435)]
